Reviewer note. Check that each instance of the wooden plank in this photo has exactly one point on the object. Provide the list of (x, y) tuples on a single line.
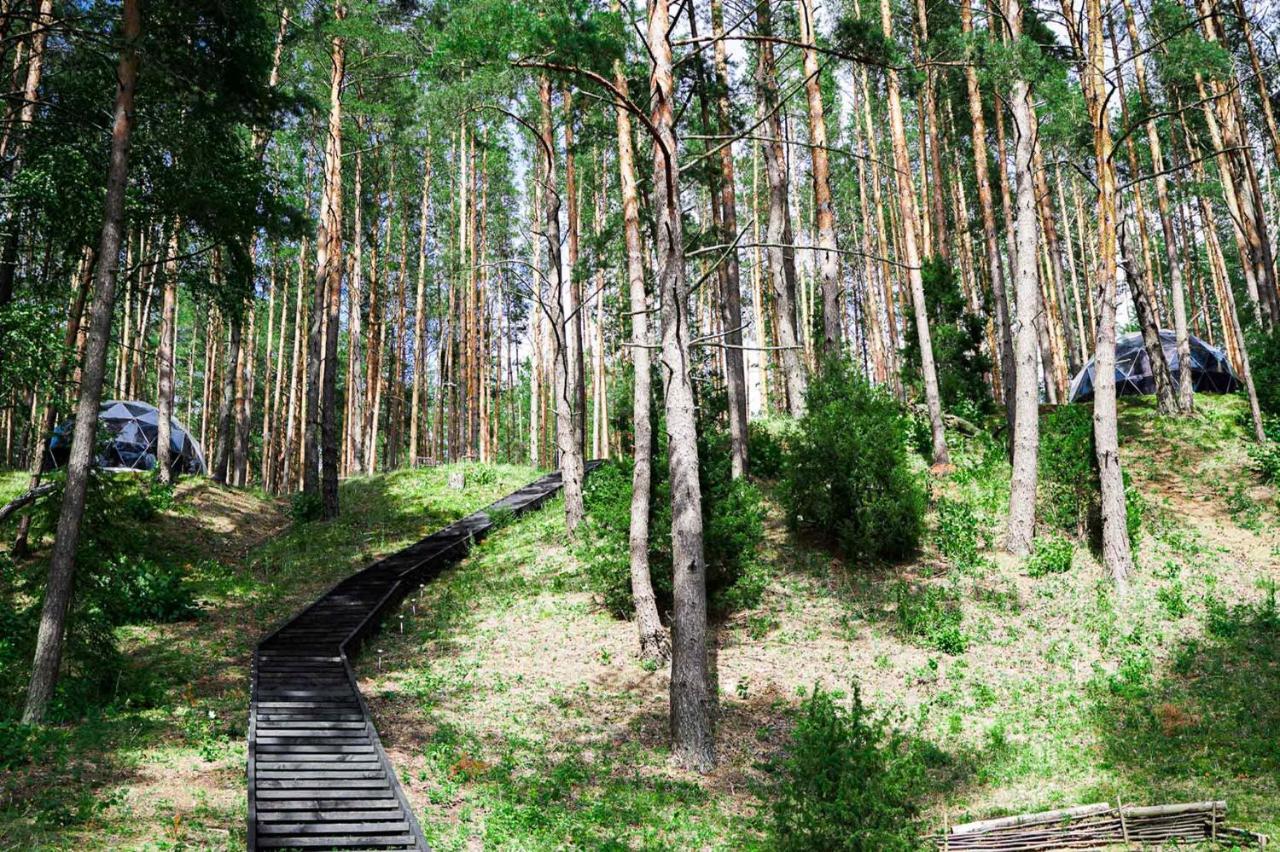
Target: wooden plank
[(291, 841), (397, 826)]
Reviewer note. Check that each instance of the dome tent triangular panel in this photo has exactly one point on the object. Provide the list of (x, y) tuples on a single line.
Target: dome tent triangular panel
[(1210, 370), (132, 434)]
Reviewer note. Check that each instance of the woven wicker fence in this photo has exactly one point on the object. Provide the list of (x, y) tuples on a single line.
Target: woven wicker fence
[(1100, 826)]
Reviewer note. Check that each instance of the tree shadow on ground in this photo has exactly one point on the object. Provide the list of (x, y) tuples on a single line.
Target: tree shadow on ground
[(1209, 726)]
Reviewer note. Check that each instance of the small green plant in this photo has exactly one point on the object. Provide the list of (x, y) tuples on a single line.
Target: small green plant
[(849, 781), (1050, 555), (305, 506), (958, 534), (766, 442), (1172, 600), (847, 475), (931, 616)]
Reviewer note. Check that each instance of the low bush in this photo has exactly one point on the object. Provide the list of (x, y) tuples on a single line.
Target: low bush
[(732, 526), (1265, 456), (305, 506), (1050, 555), (849, 781), (1068, 497), (847, 475), (932, 617), (766, 447), (958, 535), (1264, 362)]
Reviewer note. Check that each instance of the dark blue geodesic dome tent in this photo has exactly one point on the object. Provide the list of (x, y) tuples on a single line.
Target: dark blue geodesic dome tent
[(133, 429), (1210, 370)]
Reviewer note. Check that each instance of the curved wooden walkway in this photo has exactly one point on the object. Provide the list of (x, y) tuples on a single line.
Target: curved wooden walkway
[(318, 776)]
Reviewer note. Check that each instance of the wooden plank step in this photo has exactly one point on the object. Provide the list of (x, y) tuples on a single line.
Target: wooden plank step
[(292, 841), (398, 826), (329, 816), (303, 803)]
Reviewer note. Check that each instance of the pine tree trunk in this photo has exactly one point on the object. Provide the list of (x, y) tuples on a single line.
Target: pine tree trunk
[(62, 563), (781, 264), (827, 255), (911, 257), (1026, 431), (692, 702), (328, 281), (653, 639), (420, 314), (168, 319), (559, 306), (1005, 358), (1116, 553)]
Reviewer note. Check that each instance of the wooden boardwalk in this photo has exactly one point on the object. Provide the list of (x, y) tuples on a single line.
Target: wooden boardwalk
[(318, 776)]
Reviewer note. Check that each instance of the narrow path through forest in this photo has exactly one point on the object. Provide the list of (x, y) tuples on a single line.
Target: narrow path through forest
[(318, 775)]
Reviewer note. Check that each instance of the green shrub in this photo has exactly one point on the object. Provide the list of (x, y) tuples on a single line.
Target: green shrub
[(1264, 362), (958, 338), (603, 541), (732, 526), (958, 534), (847, 476), (1050, 555), (1265, 456), (131, 589), (766, 447), (1069, 497), (931, 616), (849, 782), (305, 506)]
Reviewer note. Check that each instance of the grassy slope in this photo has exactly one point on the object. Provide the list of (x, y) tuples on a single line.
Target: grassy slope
[(165, 768), (519, 716)]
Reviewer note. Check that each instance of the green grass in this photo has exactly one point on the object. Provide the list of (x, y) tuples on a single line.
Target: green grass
[(519, 717), (161, 763)]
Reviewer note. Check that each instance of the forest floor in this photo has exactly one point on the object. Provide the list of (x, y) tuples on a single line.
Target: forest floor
[(162, 766), (518, 715)]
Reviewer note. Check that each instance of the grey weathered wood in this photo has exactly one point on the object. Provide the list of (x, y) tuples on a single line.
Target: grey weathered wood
[(317, 773)]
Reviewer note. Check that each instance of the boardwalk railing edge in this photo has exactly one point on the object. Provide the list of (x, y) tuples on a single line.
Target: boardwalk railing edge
[(468, 530)]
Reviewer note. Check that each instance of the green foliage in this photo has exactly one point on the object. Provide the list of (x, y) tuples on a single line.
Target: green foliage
[(957, 344), (847, 476), (849, 781), (1050, 555), (305, 506), (766, 447), (603, 539), (958, 535), (118, 582), (732, 525), (1266, 455), (1264, 361), (1069, 496), (931, 616)]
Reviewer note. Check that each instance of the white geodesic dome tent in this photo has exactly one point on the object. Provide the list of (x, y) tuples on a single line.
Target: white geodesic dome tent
[(133, 432)]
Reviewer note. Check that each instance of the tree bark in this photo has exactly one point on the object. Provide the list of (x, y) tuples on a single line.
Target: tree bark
[(692, 702), (731, 303), (781, 263), (827, 255), (653, 640), (565, 390), (62, 563), (911, 256), (419, 313), (1026, 391), (168, 319), (1116, 553), (1005, 358), (329, 275)]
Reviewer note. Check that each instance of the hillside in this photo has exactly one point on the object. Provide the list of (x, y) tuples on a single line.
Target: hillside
[(518, 716)]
